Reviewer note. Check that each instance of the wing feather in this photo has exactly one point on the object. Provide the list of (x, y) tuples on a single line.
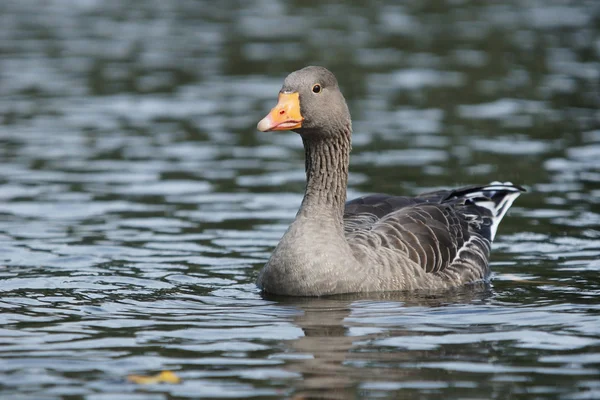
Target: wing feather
[(437, 230)]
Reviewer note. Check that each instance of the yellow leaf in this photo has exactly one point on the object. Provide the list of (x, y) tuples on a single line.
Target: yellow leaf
[(163, 377)]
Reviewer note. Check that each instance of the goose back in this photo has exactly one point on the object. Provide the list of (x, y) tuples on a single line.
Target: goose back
[(439, 231)]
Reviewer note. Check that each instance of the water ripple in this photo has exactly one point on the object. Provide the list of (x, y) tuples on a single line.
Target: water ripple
[(138, 202)]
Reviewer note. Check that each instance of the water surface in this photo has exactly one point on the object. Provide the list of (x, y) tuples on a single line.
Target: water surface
[(138, 202)]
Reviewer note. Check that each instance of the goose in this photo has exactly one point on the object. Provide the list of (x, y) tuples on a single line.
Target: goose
[(378, 242)]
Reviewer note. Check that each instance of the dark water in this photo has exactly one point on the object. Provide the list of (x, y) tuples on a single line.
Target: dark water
[(138, 202)]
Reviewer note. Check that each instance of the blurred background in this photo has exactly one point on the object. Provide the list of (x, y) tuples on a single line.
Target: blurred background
[(138, 201)]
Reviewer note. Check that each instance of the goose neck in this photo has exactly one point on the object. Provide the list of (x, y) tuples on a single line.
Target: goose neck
[(327, 159)]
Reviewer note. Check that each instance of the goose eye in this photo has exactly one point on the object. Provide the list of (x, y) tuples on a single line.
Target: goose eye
[(316, 88)]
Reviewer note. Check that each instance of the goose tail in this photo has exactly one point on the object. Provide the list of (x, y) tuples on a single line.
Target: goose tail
[(494, 200)]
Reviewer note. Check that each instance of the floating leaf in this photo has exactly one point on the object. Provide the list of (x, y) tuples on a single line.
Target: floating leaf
[(163, 377)]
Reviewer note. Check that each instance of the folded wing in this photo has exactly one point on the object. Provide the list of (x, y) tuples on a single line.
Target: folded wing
[(436, 230)]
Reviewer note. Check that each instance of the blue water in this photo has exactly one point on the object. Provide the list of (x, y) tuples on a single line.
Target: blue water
[(138, 202)]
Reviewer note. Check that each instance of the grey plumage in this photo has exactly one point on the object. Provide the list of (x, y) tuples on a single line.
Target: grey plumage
[(378, 242)]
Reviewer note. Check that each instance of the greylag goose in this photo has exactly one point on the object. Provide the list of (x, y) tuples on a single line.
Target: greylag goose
[(374, 243)]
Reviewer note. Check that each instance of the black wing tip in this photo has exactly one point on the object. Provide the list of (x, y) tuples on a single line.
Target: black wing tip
[(506, 185), (496, 186)]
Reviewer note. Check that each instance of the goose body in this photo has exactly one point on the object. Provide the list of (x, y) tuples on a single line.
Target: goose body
[(374, 243)]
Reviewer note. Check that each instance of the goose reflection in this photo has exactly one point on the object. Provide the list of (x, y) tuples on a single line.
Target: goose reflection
[(336, 354)]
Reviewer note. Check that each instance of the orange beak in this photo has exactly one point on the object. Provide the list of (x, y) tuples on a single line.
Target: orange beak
[(285, 116)]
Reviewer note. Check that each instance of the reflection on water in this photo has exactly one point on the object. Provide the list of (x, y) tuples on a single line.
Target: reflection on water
[(137, 201)]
